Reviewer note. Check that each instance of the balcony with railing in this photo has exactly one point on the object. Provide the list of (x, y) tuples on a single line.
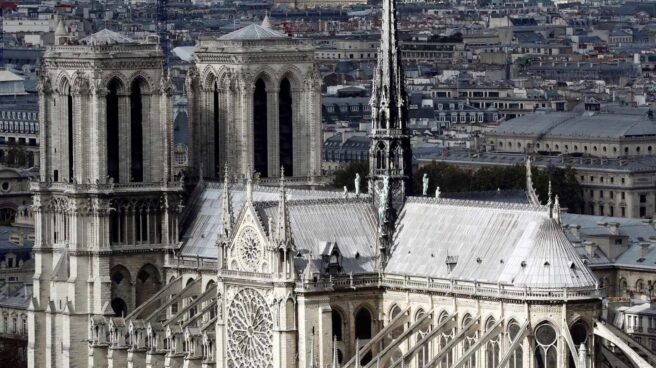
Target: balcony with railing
[(454, 287)]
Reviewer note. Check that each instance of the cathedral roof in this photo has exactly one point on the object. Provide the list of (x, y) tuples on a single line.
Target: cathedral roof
[(252, 32), (349, 223), (488, 242), (106, 37), (203, 230)]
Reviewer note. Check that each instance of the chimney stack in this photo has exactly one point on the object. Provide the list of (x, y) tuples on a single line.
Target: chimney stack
[(590, 248), (614, 228), (644, 249)]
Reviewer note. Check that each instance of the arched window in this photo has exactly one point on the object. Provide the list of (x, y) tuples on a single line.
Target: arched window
[(69, 130), (136, 131), (546, 347), (337, 325), (216, 128), (119, 307), (394, 312), (517, 358), (469, 341), (112, 131), (285, 119), (121, 285), (492, 347), (381, 157), (260, 126), (147, 283), (363, 324), (423, 355)]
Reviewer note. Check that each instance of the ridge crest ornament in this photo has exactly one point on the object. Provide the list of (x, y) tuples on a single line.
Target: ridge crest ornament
[(250, 336)]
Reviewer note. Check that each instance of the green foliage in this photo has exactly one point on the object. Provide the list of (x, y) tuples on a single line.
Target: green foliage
[(451, 178), (346, 176), (17, 156)]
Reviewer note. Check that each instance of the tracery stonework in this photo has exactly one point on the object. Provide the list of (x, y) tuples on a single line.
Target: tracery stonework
[(250, 337), (250, 250)]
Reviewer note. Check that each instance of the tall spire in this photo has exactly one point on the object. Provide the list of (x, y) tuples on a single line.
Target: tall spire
[(249, 185), (530, 189), (388, 98), (335, 356), (283, 233), (227, 207), (390, 155), (313, 363)]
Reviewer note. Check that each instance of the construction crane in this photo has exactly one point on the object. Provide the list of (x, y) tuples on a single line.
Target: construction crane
[(162, 30), (4, 4)]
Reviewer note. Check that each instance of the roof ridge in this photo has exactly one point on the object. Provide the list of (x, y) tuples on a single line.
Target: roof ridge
[(477, 203)]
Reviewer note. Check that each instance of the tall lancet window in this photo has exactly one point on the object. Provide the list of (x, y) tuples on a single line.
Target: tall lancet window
[(112, 115), (380, 156), (136, 131), (69, 120), (286, 127), (260, 149), (215, 121)]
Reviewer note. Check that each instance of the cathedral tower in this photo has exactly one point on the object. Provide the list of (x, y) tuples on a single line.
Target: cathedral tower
[(390, 155), (105, 207), (255, 102)]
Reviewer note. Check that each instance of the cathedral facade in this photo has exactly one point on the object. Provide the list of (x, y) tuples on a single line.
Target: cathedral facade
[(242, 275)]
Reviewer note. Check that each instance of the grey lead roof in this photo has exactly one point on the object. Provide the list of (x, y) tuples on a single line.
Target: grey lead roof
[(200, 237), (105, 37), (350, 223), (252, 32), (546, 125), (511, 244)]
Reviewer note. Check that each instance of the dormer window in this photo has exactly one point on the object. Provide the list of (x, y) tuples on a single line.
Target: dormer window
[(332, 258)]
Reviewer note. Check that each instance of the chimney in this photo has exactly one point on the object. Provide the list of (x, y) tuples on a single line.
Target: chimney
[(575, 230), (590, 248), (614, 228), (644, 249)]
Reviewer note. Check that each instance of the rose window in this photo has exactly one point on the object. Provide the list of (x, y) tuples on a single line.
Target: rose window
[(250, 250), (250, 337)]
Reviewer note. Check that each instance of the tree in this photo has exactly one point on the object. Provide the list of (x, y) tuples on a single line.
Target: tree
[(345, 176), (452, 179)]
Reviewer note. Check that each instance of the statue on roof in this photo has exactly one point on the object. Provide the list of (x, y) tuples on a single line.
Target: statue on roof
[(437, 192), (357, 184), (425, 184)]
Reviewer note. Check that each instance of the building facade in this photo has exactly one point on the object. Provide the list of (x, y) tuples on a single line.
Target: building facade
[(255, 102), (278, 277)]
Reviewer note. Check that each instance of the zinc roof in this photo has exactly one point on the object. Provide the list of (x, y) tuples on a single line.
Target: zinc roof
[(511, 244)]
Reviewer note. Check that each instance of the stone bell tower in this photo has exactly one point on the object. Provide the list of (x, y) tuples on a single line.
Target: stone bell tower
[(105, 206)]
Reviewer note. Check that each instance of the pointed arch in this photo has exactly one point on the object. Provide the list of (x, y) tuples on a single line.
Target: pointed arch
[(138, 110), (147, 283), (286, 126), (260, 128), (121, 288), (338, 323), (546, 345), (115, 88)]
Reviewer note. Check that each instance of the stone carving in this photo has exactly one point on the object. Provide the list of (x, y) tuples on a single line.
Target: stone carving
[(425, 184), (250, 337), (357, 184), (249, 250)]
